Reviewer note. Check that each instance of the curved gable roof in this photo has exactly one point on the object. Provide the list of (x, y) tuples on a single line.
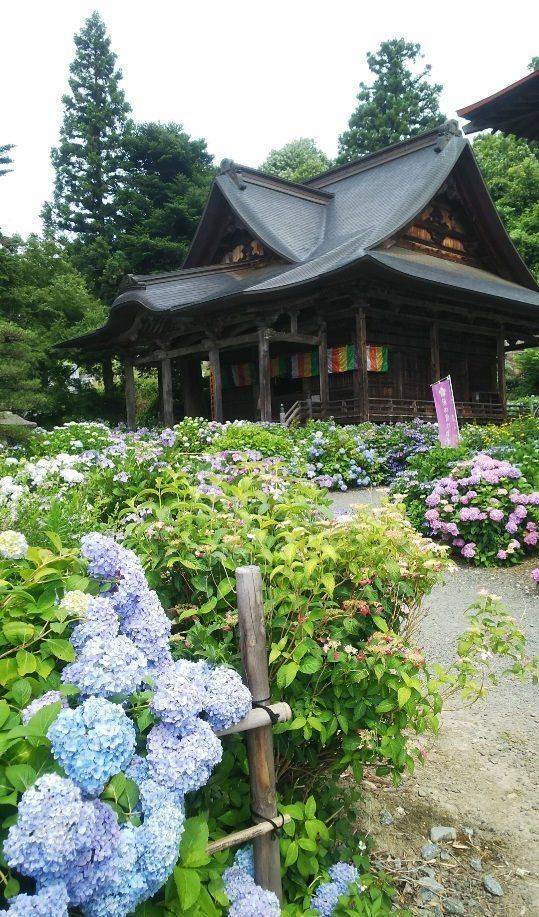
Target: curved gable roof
[(348, 215)]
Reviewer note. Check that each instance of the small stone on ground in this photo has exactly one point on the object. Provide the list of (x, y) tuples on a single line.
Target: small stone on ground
[(429, 851), (493, 886), (442, 833)]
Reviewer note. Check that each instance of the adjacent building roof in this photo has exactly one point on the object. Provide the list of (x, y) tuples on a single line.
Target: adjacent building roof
[(513, 110), (345, 217)]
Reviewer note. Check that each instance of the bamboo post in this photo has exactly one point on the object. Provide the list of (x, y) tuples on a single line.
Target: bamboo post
[(259, 741), (130, 395)]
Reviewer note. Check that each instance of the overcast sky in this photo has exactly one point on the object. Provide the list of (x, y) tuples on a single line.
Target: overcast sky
[(246, 76)]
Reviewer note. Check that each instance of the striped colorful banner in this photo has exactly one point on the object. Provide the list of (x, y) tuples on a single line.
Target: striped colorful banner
[(305, 365), (342, 359), (377, 359)]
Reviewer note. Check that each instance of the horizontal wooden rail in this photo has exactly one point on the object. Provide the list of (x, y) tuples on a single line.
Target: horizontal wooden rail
[(237, 838), (258, 717)]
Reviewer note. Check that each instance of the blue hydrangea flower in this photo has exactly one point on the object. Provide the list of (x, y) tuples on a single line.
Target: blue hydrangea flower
[(237, 882), (343, 875), (326, 898), (103, 555), (107, 667), (92, 743), (50, 697), (247, 898), (58, 834), (126, 888), (327, 895), (177, 700), (157, 845), (147, 625), (100, 620), (228, 700), (50, 901), (257, 902), (244, 859), (183, 764)]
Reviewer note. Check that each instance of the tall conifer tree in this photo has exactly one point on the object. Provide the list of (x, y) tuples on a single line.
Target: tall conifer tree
[(89, 159), (5, 158), (399, 104)]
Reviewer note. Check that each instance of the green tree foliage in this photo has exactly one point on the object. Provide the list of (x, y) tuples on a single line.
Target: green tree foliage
[(5, 158), (523, 374), (166, 183), (297, 161), (89, 160), (510, 167), (399, 104), (43, 300)]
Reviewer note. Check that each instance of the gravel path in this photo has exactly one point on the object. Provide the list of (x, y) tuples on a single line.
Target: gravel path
[(481, 770)]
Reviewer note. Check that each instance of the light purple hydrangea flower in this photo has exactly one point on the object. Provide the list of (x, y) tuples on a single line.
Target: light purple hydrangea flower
[(183, 763), (50, 697), (107, 667), (61, 836), (100, 620), (177, 700), (227, 699)]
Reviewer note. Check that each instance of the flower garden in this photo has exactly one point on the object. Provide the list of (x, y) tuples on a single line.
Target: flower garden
[(119, 653)]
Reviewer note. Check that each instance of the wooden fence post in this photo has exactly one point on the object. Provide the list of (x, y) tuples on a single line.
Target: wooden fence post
[(259, 741)]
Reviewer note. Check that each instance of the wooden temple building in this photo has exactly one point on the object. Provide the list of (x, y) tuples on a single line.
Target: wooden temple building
[(512, 110), (344, 296)]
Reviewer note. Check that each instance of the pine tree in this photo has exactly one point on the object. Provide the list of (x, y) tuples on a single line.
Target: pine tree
[(399, 104), (89, 159), (5, 158)]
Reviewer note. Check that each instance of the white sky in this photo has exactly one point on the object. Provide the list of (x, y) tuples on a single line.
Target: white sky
[(246, 76)]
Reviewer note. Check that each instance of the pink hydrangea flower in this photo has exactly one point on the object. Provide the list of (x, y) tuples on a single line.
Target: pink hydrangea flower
[(531, 539), (496, 515), (501, 555), (469, 549), (535, 574)]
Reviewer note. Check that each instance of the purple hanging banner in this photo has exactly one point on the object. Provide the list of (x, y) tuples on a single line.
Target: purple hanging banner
[(446, 412)]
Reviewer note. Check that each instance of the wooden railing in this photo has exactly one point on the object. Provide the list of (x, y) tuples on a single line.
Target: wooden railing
[(390, 410)]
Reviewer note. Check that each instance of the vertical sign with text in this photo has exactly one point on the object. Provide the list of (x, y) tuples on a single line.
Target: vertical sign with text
[(446, 412)]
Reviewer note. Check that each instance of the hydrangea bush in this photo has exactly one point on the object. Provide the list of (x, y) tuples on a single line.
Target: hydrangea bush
[(484, 509), (65, 838)]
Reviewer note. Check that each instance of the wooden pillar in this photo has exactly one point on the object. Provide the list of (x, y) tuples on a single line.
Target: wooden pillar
[(192, 387), (323, 369), (108, 377), (502, 388), (264, 374), (259, 741), (215, 366), (361, 379), (130, 395), (434, 352), (167, 399), (465, 378), (398, 365)]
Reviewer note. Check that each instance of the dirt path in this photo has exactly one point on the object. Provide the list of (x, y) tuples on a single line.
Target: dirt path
[(481, 772)]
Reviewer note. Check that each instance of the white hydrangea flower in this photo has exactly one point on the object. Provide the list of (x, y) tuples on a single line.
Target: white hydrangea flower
[(13, 545), (75, 603)]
